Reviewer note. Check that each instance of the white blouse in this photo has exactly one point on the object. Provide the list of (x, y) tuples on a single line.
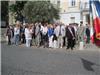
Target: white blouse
[(45, 30), (28, 34), (16, 31)]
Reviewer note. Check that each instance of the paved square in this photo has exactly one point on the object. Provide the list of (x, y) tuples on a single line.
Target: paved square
[(20, 60)]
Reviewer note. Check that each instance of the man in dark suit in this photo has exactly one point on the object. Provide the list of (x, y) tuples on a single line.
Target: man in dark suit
[(70, 34), (87, 33)]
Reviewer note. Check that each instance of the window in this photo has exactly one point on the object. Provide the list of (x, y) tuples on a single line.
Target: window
[(58, 2), (64, 10), (72, 19), (72, 2), (86, 5)]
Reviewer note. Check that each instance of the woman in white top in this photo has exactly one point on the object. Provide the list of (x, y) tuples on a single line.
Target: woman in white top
[(28, 36), (17, 34)]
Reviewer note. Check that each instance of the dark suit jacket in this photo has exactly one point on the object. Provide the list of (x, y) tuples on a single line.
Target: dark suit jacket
[(68, 33), (87, 32)]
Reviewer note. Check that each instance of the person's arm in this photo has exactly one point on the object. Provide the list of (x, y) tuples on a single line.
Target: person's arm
[(7, 32)]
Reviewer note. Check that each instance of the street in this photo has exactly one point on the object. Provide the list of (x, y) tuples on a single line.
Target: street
[(20, 60), (28, 26)]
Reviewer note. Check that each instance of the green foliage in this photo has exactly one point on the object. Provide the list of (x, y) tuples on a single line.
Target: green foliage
[(4, 10), (17, 8), (42, 11)]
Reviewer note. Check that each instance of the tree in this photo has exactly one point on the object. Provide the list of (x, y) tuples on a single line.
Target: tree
[(42, 11), (4, 12), (17, 9)]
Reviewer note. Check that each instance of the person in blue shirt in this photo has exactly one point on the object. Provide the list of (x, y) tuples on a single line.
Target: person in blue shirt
[(50, 35)]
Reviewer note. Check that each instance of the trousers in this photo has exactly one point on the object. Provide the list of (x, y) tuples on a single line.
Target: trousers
[(28, 42)]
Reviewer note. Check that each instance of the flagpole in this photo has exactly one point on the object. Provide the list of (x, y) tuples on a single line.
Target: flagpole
[(91, 23)]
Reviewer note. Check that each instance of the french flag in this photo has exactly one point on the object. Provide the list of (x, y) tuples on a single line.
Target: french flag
[(95, 10)]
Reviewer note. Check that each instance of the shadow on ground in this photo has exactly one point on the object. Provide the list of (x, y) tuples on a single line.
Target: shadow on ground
[(88, 65)]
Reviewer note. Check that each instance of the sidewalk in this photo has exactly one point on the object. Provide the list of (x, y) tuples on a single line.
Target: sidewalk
[(91, 47), (3, 35), (88, 47)]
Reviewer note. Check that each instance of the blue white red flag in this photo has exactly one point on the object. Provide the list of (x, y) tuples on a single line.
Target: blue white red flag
[(95, 10)]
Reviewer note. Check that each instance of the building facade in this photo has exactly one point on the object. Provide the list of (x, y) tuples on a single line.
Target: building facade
[(73, 11)]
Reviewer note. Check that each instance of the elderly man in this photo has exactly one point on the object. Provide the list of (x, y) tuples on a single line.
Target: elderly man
[(37, 34), (61, 35), (70, 34)]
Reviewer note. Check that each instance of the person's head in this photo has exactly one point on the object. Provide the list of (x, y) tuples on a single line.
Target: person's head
[(18, 24), (81, 23), (26, 26), (45, 24), (10, 26), (87, 25), (69, 25), (48, 25), (52, 26), (76, 25), (30, 25)]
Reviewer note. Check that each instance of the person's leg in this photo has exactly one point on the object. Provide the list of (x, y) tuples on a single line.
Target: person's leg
[(23, 38), (67, 43), (58, 42), (43, 41), (71, 43), (49, 42), (38, 40), (33, 42), (9, 40), (12, 39), (17, 40), (55, 44), (26, 42), (88, 39), (46, 40), (62, 41), (29, 42)]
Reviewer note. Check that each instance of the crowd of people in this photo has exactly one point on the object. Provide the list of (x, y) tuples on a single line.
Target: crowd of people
[(55, 35)]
